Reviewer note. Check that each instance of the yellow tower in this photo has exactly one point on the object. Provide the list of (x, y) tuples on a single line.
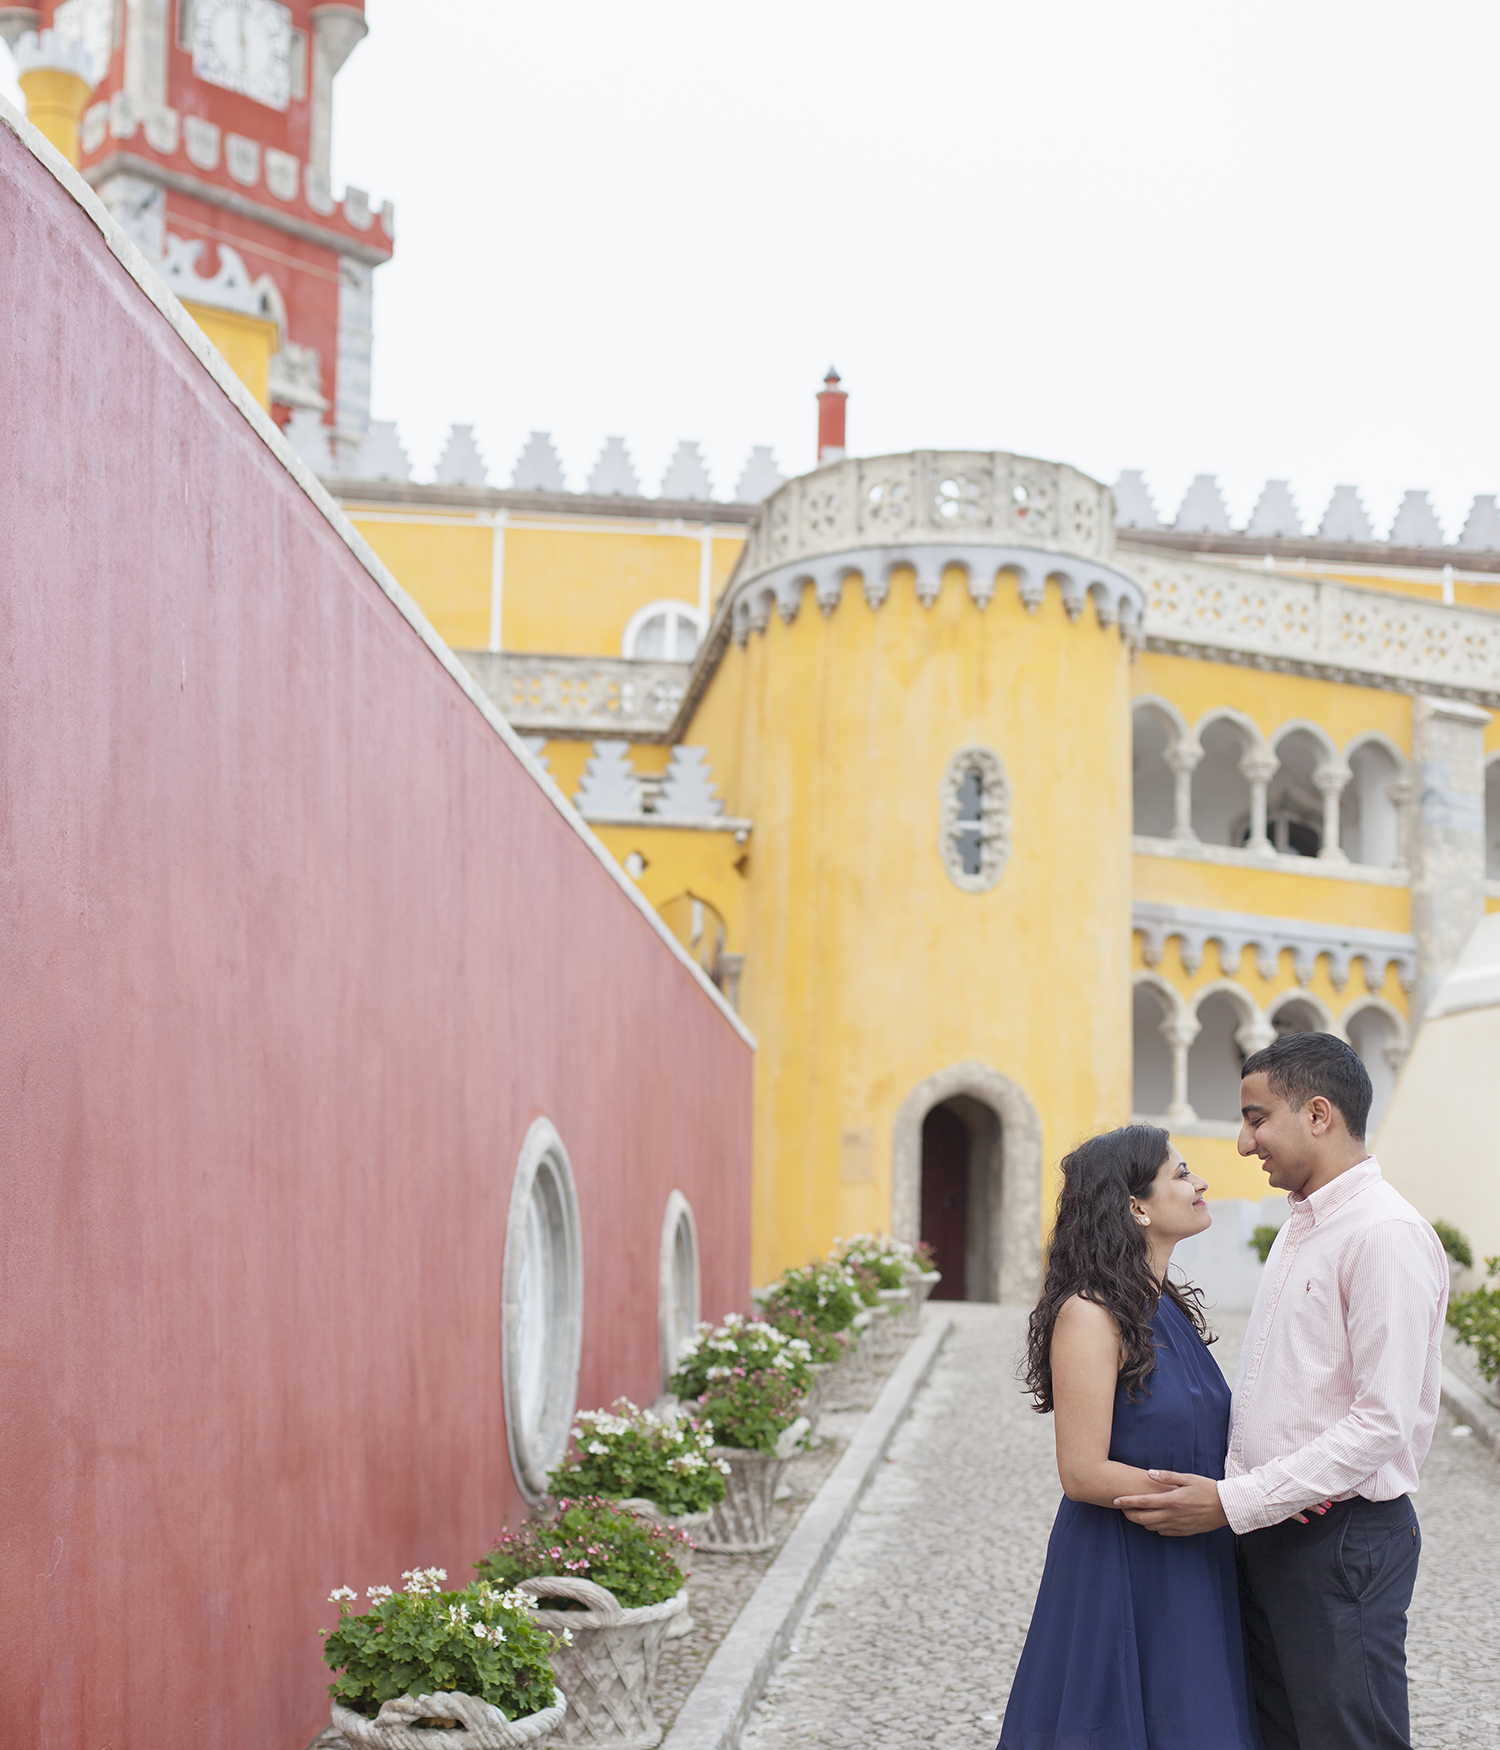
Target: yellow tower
[(917, 687), (56, 79)]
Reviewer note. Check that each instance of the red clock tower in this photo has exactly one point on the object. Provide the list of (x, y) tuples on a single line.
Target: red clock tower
[(207, 136)]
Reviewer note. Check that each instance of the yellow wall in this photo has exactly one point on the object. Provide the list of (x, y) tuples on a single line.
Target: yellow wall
[(570, 585), (868, 969), (248, 344)]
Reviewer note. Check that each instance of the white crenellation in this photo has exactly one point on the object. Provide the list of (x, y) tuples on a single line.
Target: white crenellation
[(688, 791), (1134, 508), (1268, 937), (283, 173), (1275, 514), (687, 475), (382, 455), (614, 474), (309, 437), (1202, 511), (1345, 519), (609, 785), (242, 159), (461, 463), (759, 477), (1481, 533), (16, 22), (537, 467), (201, 141), (1416, 523)]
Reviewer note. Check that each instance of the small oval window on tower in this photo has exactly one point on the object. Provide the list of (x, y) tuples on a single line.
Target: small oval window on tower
[(974, 838)]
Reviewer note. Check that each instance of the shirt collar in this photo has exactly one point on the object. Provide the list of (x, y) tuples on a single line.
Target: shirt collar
[(1337, 1192)]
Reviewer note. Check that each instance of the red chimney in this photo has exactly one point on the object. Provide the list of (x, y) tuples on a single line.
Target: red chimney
[(831, 399)]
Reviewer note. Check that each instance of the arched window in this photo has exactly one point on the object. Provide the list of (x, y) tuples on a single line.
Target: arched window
[(974, 835), (1369, 815), (663, 632), (678, 1293), (1214, 1059), (1297, 1015), (542, 1304), (1151, 779), (1294, 804), (1221, 791), (1151, 1091), (1377, 1039)]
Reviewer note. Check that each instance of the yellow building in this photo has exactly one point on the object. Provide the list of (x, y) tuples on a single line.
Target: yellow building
[(1000, 822)]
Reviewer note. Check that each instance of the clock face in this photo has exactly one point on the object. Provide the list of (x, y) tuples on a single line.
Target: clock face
[(245, 46)]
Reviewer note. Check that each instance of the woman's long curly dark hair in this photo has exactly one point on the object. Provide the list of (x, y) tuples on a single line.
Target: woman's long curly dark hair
[(1099, 1252)]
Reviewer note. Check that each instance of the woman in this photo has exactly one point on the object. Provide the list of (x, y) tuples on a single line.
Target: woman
[(1135, 1642)]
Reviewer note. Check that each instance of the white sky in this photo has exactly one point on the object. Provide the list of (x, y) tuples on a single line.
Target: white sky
[(1243, 239)]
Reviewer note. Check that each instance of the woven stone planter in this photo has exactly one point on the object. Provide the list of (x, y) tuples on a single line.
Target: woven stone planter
[(812, 1404), (850, 1379), (921, 1283), (483, 1726), (694, 1524), (889, 1330), (741, 1523), (610, 1667)]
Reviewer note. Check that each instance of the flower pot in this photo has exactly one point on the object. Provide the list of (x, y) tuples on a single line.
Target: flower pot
[(889, 1330), (850, 1380), (741, 1523), (812, 1404), (610, 1665), (921, 1283), (694, 1525), (483, 1726)]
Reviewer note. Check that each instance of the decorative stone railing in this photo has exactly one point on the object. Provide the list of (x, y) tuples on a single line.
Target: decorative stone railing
[(1235, 931), (1309, 625), (982, 511), (581, 696)]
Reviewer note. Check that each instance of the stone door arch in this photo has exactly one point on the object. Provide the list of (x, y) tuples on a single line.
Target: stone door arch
[(1017, 1217)]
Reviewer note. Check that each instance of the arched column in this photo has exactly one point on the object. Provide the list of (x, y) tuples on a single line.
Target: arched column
[(1258, 767), (1017, 1237), (1182, 760)]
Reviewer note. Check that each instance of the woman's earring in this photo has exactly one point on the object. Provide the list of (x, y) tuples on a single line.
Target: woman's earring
[(1144, 1220)]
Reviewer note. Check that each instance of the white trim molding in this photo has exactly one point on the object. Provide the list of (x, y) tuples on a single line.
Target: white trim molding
[(991, 828), (1234, 931), (678, 1282), (541, 1308), (1278, 862)]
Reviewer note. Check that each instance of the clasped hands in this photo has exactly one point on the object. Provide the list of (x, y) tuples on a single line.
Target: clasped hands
[(1189, 1505)]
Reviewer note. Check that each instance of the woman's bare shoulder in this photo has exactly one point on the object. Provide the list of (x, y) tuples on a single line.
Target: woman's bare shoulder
[(1086, 1317)]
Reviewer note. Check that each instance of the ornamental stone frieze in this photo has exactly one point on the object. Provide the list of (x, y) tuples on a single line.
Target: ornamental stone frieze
[(580, 697), (1311, 625), (1235, 931), (984, 512)]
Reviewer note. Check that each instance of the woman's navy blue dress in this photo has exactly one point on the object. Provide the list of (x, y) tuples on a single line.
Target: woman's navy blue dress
[(1135, 1642)]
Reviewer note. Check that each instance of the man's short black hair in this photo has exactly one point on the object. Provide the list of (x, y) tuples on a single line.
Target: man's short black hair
[(1301, 1065)]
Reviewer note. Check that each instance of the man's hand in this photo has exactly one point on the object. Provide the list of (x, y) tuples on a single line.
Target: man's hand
[(1190, 1506)]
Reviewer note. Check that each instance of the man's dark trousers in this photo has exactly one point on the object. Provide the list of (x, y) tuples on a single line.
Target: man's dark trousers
[(1324, 1606)]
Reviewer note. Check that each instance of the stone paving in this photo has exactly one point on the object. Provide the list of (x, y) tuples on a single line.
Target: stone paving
[(914, 1634)]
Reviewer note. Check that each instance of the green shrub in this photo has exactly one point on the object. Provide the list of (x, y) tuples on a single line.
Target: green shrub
[(480, 1641), (739, 1342), (750, 1411), (1454, 1244), (630, 1452), (825, 1293), (596, 1540), (1261, 1241), (1476, 1319)]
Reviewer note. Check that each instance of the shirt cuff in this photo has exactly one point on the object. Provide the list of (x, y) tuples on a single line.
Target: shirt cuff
[(1245, 1506)]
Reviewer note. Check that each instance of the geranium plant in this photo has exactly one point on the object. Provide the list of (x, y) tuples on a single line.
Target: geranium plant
[(750, 1345), (591, 1539), (750, 1411), (628, 1452), (878, 1254), (479, 1641), (825, 1347), (826, 1293)]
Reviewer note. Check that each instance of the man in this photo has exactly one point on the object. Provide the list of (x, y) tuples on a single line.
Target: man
[(1335, 1400)]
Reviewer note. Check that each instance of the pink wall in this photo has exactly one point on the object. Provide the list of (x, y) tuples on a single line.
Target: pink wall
[(294, 952)]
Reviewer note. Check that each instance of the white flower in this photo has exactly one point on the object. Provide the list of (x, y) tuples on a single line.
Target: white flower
[(598, 1448), (341, 1594), (379, 1594), (567, 1636)]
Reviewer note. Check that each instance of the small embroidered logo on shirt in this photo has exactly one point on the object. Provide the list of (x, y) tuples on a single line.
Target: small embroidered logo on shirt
[(1308, 1289)]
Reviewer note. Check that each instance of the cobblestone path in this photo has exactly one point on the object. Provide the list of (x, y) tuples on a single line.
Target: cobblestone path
[(915, 1632)]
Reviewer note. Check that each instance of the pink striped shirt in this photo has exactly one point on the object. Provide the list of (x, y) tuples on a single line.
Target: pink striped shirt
[(1336, 1393)]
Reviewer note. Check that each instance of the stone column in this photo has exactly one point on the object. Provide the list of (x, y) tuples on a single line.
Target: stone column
[(1180, 1031), (1257, 768), (1447, 889), (1331, 782), (336, 32), (1182, 761)]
